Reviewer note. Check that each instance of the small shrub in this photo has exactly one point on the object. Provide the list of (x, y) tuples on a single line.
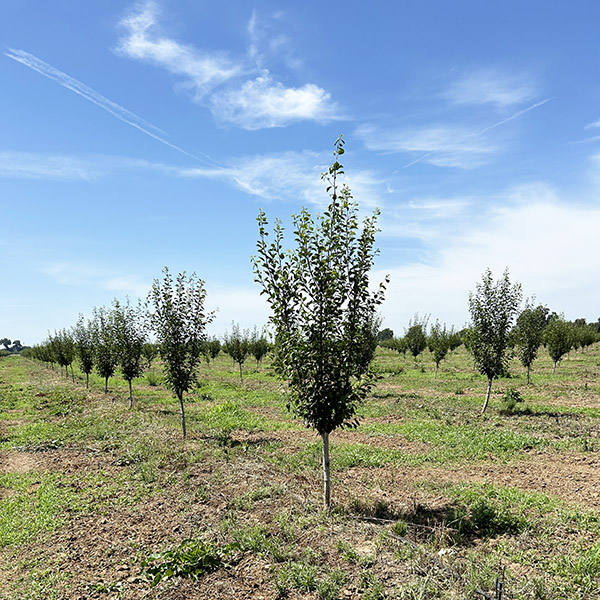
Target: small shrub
[(153, 379), (192, 558), (510, 399)]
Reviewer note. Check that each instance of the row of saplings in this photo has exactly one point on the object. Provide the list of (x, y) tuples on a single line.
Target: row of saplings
[(534, 327), (119, 337), (323, 314)]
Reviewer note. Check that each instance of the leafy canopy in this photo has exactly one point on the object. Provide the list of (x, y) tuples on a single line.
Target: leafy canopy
[(493, 307), (323, 311)]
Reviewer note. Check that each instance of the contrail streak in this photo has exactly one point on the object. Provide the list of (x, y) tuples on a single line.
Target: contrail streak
[(31, 61), (478, 133)]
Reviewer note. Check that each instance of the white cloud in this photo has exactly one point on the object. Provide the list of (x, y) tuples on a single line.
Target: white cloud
[(489, 86), (549, 244), (263, 103), (202, 70), (222, 83)]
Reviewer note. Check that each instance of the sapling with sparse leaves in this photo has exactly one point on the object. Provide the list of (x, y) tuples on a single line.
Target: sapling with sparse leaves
[(558, 339), (493, 308), (130, 338), (438, 342), (237, 345), (416, 337), (259, 345), (323, 311), (84, 347), (529, 332), (106, 354), (179, 319)]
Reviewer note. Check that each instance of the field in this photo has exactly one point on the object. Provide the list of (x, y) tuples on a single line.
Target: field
[(430, 499)]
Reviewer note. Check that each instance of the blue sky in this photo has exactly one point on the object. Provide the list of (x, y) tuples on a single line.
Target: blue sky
[(139, 135)]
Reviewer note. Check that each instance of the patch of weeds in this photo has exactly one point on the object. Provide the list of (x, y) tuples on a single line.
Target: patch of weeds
[(192, 558), (347, 552), (37, 504), (371, 586), (295, 576), (329, 588), (400, 528), (583, 568)]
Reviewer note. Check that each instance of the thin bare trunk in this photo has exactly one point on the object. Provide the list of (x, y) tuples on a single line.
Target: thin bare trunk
[(326, 471), (487, 396), (130, 395), (554, 369), (528, 370), (241, 378), (437, 365), (87, 380), (106, 385), (72, 374), (180, 396)]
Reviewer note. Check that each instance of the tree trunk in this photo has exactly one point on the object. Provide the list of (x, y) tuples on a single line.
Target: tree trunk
[(180, 396), (487, 396), (87, 381), (528, 369), (130, 395), (241, 378), (326, 471), (72, 374), (554, 368), (437, 365), (106, 385)]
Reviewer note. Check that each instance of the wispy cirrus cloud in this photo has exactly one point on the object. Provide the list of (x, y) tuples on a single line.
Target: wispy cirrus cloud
[(239, 91), (441, 145), (490, 86), (83, 90), (28, 165), (78, 274)]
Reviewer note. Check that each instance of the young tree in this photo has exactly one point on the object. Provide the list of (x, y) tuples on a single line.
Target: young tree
[(84, 347), (149, 352), (63, 348), (130, 338), (237, 345), (259, 346), (439, 343), (493, 308), (558, 340), (324, 314), (106, 355), (179, 320), (529, 332), (415, 336)]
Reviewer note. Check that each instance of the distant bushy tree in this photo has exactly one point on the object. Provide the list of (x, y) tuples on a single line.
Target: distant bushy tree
[(149, 352), (259, 345), (6, 342), (385, 334), (84, 347), (63, 348), (106, 353), (416, 336), (323, 312), (179, 319), (439, 343), (493, 308), (130, 338), (529, 333), (558, 339), (237, 344)]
